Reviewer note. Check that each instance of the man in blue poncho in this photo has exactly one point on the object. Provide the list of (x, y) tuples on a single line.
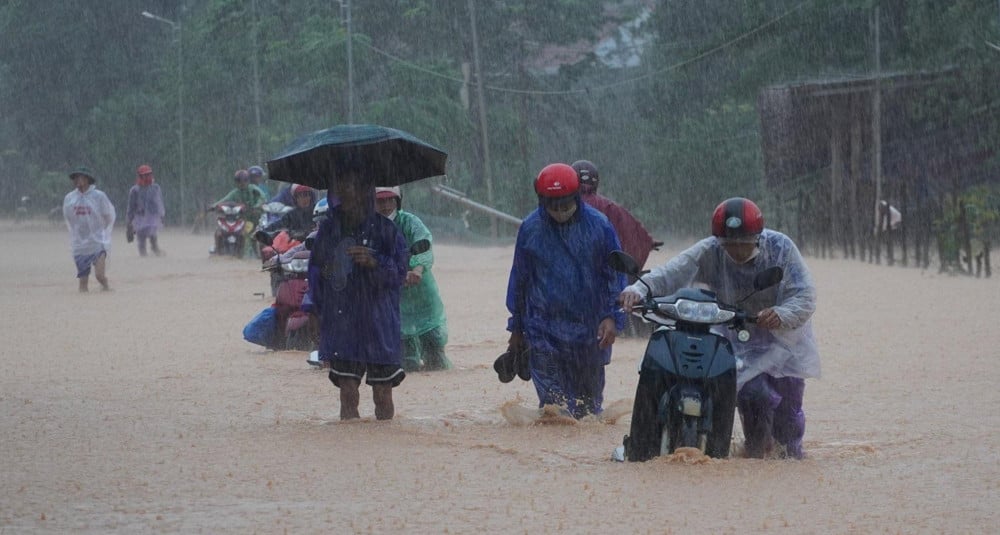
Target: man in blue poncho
[(358, 264), (781, 352), (562, 294)]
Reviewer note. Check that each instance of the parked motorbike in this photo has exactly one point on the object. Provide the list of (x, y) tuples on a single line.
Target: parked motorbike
[(284, 325), (686, 395), (272, 211), (229, 237), (272, 244)]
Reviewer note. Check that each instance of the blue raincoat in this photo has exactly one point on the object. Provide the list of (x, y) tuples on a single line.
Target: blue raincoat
[(561, 286), (358, 307)]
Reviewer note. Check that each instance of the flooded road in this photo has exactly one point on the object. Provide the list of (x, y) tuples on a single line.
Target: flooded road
[(142, 410)]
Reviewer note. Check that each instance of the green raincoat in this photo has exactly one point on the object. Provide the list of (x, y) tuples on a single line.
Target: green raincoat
[(421, 309)]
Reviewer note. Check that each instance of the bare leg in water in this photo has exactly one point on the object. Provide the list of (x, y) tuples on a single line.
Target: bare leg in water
[(349, 398), (382, 395), (99, 266)]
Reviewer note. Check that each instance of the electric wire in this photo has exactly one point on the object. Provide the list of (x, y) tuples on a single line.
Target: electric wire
[(589, 90)]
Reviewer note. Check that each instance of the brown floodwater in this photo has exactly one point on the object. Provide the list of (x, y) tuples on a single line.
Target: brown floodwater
[(142, 410)]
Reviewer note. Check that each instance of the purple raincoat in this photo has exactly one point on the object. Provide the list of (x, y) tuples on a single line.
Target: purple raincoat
[(358, 307), (145, 208)]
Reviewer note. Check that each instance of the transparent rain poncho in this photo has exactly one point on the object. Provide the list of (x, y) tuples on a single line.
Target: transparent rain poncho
[(90, 216), (786, 352)]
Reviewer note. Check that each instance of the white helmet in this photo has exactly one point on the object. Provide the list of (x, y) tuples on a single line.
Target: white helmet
[(319, 211)]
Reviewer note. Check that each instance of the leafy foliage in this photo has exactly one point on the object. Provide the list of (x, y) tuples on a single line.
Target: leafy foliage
[(97, 84)]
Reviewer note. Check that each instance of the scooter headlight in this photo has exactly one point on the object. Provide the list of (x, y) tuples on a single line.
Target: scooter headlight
[(697, 311), (297, 265)]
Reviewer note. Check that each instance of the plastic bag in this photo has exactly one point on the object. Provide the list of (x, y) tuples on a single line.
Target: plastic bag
[(261, 328)]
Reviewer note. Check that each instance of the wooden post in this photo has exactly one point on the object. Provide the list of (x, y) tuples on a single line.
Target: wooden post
[(852, 201), (483, 130), (903, 203), (877, 132), (965, 235), (800, 209), (836, 184)]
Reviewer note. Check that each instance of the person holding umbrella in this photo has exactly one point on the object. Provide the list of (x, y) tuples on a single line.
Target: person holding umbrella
[(358, 264), (359, 258), (89, 216)]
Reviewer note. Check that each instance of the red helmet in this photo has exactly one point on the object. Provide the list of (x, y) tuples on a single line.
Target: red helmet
[(144, 170), (387, 192), (587, 172), (299, 188), (737, 218), (556, 180)]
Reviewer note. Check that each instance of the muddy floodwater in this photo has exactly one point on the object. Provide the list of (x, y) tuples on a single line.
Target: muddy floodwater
[(143, 410)]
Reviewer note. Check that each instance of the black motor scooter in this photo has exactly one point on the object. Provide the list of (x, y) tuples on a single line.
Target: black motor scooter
[(686, 396)]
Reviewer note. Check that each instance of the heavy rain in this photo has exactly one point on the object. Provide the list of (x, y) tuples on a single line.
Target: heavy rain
[(867, 132)]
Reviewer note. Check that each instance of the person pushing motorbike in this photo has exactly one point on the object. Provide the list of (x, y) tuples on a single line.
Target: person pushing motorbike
[(781, 352)]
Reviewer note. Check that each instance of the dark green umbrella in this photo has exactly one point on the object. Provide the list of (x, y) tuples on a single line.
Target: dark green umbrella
[(384, 156)]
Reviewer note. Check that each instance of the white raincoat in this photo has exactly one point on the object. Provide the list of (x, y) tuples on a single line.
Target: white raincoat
[(90, 217), (786, 352)]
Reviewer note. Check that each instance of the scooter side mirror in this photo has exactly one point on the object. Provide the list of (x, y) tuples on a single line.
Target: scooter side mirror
[(420, 246), (621, 262), (263, 237), (310, 240), (767, 278)]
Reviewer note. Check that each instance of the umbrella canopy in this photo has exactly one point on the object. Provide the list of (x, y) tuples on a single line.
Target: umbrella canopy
[(384, 156)]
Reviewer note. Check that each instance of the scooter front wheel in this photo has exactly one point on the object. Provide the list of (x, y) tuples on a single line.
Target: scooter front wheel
[(686, 435), (646, 432)]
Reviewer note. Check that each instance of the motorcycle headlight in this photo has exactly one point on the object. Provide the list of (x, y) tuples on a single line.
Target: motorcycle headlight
[(298, 265), (697, 311)]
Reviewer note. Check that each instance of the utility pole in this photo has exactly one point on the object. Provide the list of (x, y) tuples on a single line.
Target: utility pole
[(256, 80), (345, 6), (176, 26), (484, 132)]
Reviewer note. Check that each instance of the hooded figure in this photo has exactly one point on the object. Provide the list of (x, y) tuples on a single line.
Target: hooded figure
[(357, 267), (562, 294), (635, 239), (424, 326), (144, 213)]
